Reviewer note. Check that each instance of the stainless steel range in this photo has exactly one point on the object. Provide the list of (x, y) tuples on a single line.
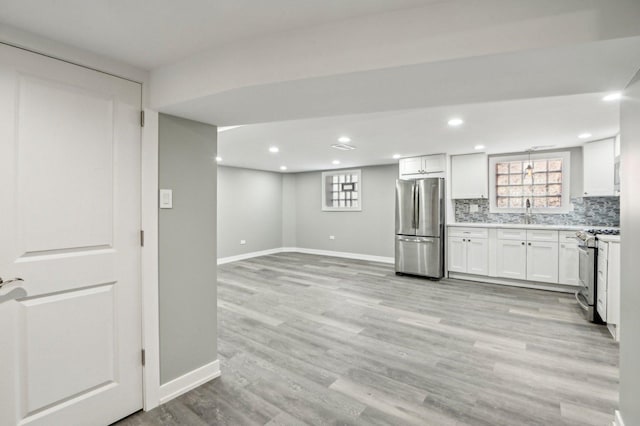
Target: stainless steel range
[(588, 251)]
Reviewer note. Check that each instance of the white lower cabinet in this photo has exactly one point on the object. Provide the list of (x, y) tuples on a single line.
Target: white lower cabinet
[(568, 264), (512, 259), (542, 261), (468, 255)]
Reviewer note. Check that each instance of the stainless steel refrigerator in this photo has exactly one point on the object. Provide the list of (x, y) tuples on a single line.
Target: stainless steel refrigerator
[(420, 227)]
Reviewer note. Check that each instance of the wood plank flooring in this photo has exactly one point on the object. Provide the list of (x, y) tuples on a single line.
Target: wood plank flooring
[(307, 339)]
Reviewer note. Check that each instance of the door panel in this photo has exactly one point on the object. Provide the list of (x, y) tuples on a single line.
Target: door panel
[(419, 256), (542, 262), (478, 256), (512, 259), (457, 254), (71, 340), (428, 193), (405, 207), (568, 267)]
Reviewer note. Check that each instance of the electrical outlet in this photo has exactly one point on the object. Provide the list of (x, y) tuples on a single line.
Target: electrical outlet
[(473, 208), (332, 237), (243, 242)]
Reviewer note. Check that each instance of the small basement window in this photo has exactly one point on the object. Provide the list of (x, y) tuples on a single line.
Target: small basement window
[(543, 179), (342, 190)]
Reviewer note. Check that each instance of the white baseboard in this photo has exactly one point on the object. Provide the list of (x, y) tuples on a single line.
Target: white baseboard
[(618, 420), (191, 380), (347, 255), (514, 283), (223, 260)]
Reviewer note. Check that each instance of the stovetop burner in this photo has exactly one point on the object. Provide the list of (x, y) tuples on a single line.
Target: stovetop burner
[(604, 231)]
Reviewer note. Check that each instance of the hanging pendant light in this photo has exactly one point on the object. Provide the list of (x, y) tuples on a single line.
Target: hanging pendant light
[(529, 169)]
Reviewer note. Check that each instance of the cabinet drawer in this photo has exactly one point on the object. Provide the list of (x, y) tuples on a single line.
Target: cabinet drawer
[(468, 232), (568, 237), (512, 234), (542, 235)]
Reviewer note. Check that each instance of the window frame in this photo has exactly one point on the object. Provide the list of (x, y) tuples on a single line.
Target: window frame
[(566, 205), (323, 200)]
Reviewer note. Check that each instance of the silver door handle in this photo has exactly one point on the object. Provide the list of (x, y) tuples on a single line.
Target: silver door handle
[(3, 283), (582, 305)]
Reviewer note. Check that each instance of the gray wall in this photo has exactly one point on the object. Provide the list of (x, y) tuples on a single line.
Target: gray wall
[(289, 210), (250, 209), (187, 246), (630, 249), (367, 232)]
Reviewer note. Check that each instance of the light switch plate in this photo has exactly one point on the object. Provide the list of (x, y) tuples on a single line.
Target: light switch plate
[(166, 199), (473, 208)]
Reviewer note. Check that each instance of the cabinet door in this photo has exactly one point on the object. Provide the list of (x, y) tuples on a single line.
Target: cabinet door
[(569, 265), (599, 168), (542, 262), (410, 166), (477, 256), (512, 259), (457, 258), (434, 163), (469, 176)]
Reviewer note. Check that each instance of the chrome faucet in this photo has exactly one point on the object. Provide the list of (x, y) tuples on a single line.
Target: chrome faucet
[(527, 214)]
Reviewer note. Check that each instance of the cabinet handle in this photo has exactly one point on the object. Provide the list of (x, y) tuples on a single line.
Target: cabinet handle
[(468, 241), (523, 243), (529, 243)]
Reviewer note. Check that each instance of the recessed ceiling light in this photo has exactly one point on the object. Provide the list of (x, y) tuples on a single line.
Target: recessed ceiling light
[(344, 139), (335, 162), (218, 159), (585, 135), (343, 147), (612, 97), (274, 149), (283, 167), (479, 147), (396, 156), (455, 122)]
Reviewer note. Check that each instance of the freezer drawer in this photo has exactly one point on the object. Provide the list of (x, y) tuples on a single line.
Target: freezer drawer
[(419, 256)]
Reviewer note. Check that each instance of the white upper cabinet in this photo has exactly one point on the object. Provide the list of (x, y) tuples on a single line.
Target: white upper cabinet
[(469, 176), (425, 166), (599, 168)]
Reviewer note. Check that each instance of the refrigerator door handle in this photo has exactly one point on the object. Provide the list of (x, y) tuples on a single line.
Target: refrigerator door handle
[(416, 207)]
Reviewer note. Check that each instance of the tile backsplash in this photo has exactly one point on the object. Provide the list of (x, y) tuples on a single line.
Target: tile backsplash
[(588, 211)]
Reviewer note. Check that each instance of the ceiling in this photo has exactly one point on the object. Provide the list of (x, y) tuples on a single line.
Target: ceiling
[(151, 33), (507, 126)]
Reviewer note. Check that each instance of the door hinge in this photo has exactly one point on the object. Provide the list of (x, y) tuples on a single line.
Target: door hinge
[(141, 238), (141, 118), (143, 354)]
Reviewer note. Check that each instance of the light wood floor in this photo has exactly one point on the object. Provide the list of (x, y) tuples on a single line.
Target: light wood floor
[(307, 339)]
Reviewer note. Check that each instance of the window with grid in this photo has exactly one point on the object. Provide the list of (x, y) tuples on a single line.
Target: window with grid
[(341, 190), (545, 183)]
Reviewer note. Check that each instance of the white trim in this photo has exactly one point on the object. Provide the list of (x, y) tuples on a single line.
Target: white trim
[(514, 283), (347, 255), (189, 381), (566, 182), (618, 420), (149, 258), (229, 259)]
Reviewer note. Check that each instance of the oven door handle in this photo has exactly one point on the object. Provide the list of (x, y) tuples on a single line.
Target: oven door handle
[(582, 305)]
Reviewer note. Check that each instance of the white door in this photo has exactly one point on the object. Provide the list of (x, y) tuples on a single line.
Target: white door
[(512, 259), (457, 254), (569, 264), (478, 256), (69, 224), (542, 262)]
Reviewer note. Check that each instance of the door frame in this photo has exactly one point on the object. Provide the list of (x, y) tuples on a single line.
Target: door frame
[(149, 278)]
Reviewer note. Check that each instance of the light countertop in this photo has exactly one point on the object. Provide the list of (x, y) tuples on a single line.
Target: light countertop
[(527, 226), (609, 238)]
